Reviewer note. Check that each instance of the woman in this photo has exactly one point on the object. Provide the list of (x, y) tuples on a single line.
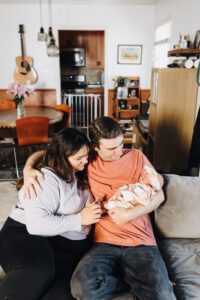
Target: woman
[(44, 238)]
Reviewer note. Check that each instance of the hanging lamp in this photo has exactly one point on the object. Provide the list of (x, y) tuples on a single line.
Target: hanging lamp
[(52, 48), (42, 36)]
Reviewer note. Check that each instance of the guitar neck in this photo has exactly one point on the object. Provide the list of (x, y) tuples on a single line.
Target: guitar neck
[(22, 45)]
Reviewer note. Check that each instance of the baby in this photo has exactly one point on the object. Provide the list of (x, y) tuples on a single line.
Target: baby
[(141, 192)]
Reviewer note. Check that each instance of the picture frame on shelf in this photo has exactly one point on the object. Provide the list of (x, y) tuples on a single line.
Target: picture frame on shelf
[(122, 92), (129, 54), (132, 93), (196, 44), (122, 104)]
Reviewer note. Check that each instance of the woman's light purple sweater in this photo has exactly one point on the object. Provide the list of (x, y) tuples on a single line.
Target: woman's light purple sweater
[(55, 211)]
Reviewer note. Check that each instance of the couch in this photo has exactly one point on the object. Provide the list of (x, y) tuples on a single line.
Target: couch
[(177, 228)]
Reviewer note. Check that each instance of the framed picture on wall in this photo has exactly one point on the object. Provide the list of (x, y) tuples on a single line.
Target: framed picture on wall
[(129, 54)]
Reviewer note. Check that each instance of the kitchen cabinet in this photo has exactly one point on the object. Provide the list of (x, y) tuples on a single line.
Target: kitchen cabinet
[(94, 46), (92, 41), (173, 101), (71, 39)]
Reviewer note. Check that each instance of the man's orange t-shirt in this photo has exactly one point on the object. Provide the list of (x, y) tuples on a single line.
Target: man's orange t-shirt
[(105, 177)]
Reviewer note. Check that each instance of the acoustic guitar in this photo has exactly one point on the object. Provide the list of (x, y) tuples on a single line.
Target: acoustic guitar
[(24, 64)]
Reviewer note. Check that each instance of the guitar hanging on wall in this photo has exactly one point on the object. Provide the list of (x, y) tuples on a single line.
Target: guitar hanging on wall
[(24, 70)]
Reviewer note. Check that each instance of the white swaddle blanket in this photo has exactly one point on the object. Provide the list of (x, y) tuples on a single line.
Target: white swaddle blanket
[(141, 192)]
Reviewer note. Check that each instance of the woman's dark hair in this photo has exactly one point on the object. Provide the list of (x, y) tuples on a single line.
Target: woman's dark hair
[(103, 128), (66, 142)]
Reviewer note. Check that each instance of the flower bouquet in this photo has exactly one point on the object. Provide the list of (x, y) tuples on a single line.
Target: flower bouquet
[(20, 92)]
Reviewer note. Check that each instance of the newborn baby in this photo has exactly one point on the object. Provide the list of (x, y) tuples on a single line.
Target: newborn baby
[(141, 192)]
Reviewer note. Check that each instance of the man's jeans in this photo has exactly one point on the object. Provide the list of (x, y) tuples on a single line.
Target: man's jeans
[(106, 270)]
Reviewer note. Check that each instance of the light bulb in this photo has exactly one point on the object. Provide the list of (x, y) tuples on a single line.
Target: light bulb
[(52, 49), (49, 35), (42, 36)]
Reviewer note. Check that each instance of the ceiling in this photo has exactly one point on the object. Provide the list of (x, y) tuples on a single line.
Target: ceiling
[(123, 2)]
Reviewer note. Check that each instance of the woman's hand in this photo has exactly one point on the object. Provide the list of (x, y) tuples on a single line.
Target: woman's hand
[(91, 214)]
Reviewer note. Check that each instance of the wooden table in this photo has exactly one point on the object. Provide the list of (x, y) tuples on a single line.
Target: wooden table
[(8, 119)]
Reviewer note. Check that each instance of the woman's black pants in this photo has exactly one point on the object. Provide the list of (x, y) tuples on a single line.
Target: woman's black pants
[(37, 268)]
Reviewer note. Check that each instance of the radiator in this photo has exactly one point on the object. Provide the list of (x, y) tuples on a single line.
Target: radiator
[(85, 108)]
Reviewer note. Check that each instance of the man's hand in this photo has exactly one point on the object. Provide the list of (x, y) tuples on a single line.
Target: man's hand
[(91, 214), (32, 177), (32, 182), (124, 215), (120, 215)]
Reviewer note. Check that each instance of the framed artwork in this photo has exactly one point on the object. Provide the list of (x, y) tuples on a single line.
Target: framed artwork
[(122, 92), (129, 54)]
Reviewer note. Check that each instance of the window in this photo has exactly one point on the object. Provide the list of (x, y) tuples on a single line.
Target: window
[(161, 45)]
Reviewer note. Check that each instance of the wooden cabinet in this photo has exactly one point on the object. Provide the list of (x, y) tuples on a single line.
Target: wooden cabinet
[(172, 116), (127, 100), (94, 45), (71, 38), (92, 41), (111, 102)]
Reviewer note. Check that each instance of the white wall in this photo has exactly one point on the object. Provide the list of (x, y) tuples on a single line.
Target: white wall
[(123, 24), (184, 15)]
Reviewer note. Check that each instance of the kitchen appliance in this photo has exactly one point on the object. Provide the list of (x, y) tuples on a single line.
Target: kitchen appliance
[(72, 57), (73, 84)]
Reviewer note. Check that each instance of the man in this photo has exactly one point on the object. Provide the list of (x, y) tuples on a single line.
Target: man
[(125, 253)]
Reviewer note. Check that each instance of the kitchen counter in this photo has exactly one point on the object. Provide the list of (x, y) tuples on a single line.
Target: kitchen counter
[(94, 90)]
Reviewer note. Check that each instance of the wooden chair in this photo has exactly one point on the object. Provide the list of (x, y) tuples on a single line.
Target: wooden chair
[(67, 114), (7, 142), (31, 131), (7, 104)]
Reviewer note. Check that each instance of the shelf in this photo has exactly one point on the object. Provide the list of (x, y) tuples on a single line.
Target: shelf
[(128, 98), (133, 87), (128, 110), (184, 52), (127, 105)]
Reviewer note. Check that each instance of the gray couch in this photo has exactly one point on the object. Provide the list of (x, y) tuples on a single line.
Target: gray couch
[(177, 229)]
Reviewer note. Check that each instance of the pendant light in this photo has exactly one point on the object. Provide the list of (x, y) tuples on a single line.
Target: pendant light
[(42, 36), (52, 48)]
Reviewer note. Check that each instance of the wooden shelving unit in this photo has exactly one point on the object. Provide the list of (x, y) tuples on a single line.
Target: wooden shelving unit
[(127, 107), (184, 52)]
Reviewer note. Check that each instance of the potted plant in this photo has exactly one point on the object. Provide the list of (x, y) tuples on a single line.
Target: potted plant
[(120, 81)]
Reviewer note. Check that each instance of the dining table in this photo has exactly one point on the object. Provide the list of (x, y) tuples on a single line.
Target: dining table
[(8, 119)]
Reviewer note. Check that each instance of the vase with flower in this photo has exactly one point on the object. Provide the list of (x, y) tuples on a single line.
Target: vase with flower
[(20, 91)]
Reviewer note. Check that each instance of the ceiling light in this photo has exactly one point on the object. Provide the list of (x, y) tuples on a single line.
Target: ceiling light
[(52, 48), (42, 36)]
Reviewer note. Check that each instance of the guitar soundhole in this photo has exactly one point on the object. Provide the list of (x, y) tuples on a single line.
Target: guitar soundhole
[(26, 66)]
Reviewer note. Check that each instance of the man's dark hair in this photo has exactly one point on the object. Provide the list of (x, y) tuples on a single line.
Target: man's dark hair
[(103, 128)]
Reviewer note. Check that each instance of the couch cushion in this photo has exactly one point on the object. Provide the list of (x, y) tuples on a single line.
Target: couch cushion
[(178, 216), (182, 258)]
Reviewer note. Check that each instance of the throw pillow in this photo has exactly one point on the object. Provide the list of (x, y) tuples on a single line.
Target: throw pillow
[(178, 216)]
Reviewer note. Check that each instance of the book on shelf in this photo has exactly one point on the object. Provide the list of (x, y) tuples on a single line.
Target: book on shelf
[(123, 121)]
